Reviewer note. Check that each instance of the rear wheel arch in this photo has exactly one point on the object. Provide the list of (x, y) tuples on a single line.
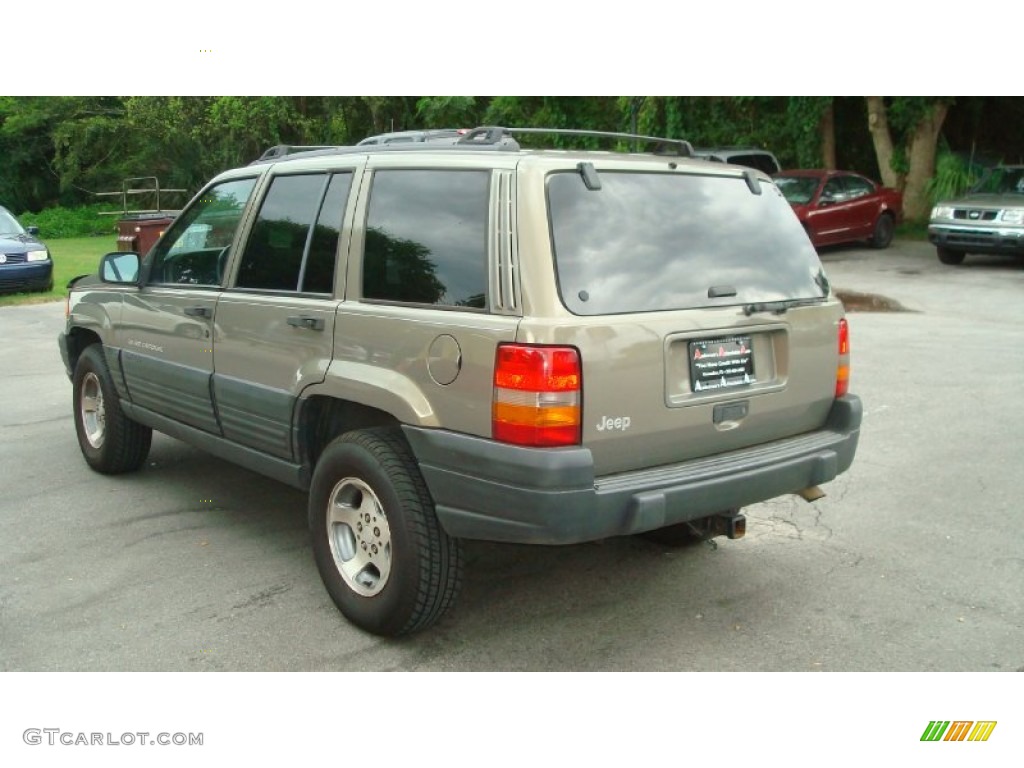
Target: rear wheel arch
[(320, 419)]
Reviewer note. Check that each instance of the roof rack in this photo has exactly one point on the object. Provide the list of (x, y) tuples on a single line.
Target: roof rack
[(731, 148), (488, 137), (493, 134)]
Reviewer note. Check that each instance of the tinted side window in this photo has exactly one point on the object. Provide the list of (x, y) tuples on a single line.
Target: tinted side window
[(426, 238), (195, 249), (857, 187), (283, 239), (834, 189), (318, 272)]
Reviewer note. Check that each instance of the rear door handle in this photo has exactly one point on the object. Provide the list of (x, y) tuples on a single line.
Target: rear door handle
[(199, 312), (305, 321)]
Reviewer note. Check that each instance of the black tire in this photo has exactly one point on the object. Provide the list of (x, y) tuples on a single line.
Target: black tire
[(691, 532), (368, 495), (952, 258), (111, 442), (885, 227)]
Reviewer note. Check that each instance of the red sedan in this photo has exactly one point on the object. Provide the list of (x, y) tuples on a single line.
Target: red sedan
[(842, 207)]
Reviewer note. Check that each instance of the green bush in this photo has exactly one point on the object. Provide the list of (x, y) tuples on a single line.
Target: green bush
[(82, 221), (953, 176)]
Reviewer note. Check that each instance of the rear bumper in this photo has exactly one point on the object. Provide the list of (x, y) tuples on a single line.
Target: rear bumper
[(496, 492), (1000, 240)]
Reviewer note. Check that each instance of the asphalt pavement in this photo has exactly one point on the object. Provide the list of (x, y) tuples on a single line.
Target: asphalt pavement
[(914, 561)]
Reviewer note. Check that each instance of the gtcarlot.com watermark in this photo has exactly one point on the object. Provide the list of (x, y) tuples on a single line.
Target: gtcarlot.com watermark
[(56, 737)]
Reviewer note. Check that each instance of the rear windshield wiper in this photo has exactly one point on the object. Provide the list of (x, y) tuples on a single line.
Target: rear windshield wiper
[(779, 307)]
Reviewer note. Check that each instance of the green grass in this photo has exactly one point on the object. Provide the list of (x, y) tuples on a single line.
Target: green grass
[(71, 256)]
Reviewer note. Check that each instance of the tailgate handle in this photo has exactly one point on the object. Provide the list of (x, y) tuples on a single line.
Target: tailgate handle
[(305, 321), (199, 312), (731, 411)]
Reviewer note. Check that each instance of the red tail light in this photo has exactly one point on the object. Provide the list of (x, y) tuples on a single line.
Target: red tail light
[(536, 395), (843, 370)]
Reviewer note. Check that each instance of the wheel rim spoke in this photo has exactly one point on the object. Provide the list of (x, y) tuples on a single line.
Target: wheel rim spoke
[(342, 514)]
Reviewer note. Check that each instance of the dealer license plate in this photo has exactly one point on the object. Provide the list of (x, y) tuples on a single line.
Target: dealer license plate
[(721, 363)]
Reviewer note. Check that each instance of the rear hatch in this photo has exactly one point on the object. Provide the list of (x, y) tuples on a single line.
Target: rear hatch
[(701, 312)]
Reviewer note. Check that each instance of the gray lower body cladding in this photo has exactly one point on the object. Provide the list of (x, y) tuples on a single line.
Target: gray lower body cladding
[(496, 492)]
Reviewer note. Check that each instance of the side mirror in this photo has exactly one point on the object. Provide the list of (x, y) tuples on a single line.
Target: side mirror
[(33, 230), (826, 199), (121, 267)]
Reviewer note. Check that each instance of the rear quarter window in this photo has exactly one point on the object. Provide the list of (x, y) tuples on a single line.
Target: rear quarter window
[(426, 238)]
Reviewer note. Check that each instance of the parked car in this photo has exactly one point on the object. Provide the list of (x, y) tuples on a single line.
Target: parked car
[(25, 263), (842, 207), (749, 157), (442, 342), (988, 219)]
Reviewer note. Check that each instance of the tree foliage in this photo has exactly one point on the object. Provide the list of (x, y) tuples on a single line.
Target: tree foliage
[(59, 150), (906, 130)]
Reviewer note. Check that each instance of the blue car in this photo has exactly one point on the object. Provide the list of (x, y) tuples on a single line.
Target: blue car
[(25, 263)]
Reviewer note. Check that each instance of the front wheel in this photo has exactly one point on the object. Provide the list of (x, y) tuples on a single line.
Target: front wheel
[(885, 227), (380, 549), (111, 442), (947, 256)]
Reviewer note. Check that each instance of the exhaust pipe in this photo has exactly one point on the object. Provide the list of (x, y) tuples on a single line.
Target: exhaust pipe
[(812, 493)]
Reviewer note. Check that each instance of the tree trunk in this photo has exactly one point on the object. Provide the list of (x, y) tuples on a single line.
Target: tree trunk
[(878, 124), (921, 154), (828, 136)]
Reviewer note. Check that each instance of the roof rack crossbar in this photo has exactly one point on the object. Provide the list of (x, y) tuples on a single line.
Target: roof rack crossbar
[(282, 150), (407, 146), (492, 134)]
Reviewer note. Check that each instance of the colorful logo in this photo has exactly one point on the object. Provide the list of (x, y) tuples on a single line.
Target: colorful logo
[(959, 730)]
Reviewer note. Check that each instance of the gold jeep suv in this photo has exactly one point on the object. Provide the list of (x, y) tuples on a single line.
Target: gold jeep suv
[(476, 341)]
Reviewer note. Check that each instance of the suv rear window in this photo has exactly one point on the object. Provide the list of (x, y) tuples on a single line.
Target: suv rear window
[(646, 242)]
